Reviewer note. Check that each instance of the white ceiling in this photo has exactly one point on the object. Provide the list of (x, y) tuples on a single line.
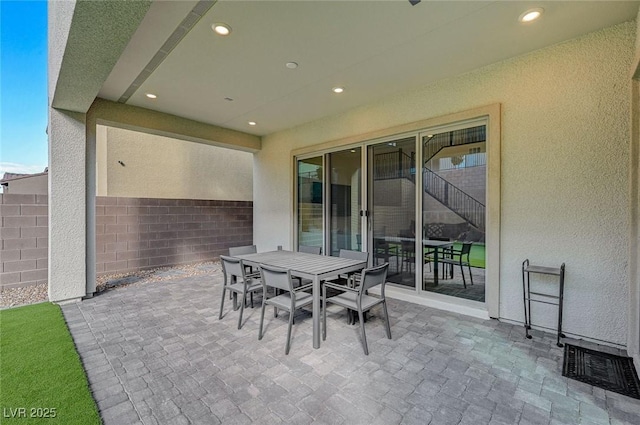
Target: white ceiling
[(372, 48)]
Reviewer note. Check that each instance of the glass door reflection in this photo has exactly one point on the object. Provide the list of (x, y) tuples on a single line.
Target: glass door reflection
[(453, 212), (345, 201), (392, 208), (310, 201)]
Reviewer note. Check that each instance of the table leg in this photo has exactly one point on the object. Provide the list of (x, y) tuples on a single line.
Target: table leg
[(316, 312), (435, 266)]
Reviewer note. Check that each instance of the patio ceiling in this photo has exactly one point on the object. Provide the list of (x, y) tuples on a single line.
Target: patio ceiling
[(372, 49)]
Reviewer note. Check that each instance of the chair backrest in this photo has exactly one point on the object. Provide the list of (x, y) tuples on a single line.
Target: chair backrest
[(239, 250), (372, 277), (466, 248), (232, 266), (310, 249), (354, 255), (276, 277)]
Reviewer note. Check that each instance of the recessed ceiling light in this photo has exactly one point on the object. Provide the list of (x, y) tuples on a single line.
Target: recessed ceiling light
[(221, 29), (338, 89), (531, 15), (151, 95), (252, 123), (291, 65)]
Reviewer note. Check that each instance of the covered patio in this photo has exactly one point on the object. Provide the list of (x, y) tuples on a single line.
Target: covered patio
[(321, 93), (157, 354)]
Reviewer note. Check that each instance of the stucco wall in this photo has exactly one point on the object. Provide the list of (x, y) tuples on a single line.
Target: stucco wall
[(565, 150), (162, 167)]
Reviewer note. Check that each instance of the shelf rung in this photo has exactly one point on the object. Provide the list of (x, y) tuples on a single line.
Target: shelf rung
[(540, 301), (545, 295), (543, 270)]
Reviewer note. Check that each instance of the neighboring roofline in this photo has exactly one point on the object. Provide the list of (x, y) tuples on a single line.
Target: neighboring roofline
[(10, 179)]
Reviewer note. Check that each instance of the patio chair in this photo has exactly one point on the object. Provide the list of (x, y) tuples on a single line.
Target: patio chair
[(317, 250), (239, 250), (290, 300), (353, 277), (356, 299), (457, 257), (237, 282), (310, 249)]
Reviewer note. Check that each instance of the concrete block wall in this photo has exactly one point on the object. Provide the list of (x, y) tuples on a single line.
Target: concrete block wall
[(24, 235), (131, 234), (138, 233)]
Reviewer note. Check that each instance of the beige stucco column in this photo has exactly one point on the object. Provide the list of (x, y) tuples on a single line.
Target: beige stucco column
[(67, 206), (85, 40), (67, 196)]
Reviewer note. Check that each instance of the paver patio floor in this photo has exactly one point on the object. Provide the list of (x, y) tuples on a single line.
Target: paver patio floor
[(157, 354)]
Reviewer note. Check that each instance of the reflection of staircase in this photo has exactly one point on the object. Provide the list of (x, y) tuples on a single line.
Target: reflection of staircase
[(434, 144), (454, 198), (397, 164)]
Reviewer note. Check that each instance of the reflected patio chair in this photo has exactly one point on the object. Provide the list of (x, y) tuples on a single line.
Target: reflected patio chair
[(290, 300), (357, 299), (383, 250), (408, 252), (460, 258), (237, 282), (429, 256)]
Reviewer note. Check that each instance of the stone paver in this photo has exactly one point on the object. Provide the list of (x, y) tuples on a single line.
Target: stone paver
[(157, 354)]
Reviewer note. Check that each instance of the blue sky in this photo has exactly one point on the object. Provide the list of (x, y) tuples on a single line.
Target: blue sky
[(23, 86)]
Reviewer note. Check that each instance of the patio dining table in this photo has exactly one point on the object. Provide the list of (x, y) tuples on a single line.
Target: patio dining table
[(307, 266), (430, 243)]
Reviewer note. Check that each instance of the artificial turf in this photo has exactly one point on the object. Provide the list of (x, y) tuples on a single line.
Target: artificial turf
[(41, 377)]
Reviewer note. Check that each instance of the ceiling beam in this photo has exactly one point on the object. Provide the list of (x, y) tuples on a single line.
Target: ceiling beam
[(134, 118)]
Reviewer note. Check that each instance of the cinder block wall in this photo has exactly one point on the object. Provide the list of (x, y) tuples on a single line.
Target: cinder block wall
[(138, 233), (131, 234), (24, 233)]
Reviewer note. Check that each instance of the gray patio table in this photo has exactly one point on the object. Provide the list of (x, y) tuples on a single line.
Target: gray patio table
[(307, 266), (431, 243), (436, 245)]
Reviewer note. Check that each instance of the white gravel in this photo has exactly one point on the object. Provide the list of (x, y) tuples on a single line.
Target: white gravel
[(13, 297)]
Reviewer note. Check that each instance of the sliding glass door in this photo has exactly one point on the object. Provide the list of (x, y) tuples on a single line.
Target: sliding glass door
[(310, 201), (416, 202), (453, 211), (392, 208), (345, 201)]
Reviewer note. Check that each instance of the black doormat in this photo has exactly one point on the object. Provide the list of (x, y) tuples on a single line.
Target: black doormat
[(607, 371)]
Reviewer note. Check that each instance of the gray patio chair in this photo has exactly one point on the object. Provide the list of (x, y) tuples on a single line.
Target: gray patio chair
[(248, 249), (356, 299), (310, 249), (353, 278), (239, 250), (290, 300), (236, 281), (317, 250), (457, 258)]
